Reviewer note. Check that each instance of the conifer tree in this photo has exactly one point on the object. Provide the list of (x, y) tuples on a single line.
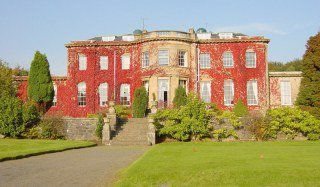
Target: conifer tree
[(309, 95), (140, 102), (40, 86), (180, 98)]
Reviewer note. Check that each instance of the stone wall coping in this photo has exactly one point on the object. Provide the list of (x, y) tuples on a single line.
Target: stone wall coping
[(285, 74), (87, 119)]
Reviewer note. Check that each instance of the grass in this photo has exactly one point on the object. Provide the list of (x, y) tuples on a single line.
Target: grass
[(20, 148), (226, 164)]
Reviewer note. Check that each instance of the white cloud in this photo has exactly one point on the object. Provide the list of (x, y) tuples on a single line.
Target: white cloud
[(253, 27)]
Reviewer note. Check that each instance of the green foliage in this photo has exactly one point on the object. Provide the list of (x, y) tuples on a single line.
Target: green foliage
[(11, 122), (33, 133), (229, 118), (52, 128), (140, 102), (309, 95), (99, 128), (40, 86), (240, 109), (180, 98), (190, 122), (123, 112), (30, 114), (7, 88), (256, 125), (292, 121), (223, 133), (295, 65)]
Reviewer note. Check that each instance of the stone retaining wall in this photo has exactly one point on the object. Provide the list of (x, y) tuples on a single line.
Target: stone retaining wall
[(81, 128)]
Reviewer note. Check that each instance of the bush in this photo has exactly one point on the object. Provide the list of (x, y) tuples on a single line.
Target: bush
[(123, 112), (223, 133), (30, 115), (240, 109), (190, 122), (180, 98), (11, 121), (229, 118), (140, 102), (99, 128), (52, 128), (33, 133), (256, 125)]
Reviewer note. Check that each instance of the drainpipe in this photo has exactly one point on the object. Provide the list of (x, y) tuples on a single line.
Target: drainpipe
[(198, 70), (114, 74)]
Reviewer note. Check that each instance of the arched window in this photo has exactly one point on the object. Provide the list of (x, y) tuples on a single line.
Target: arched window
[(82, 62), (227, 58), (82, 94), (103, 94)]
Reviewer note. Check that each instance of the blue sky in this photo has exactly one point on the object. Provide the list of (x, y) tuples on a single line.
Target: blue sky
[(46, 25)]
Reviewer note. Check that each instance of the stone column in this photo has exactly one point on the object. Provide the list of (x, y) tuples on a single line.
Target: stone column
[(151, 132), (112, 116), (106, 132)]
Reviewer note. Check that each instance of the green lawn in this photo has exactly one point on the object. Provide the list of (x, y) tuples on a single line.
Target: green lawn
[(19, 148), (226, 164)]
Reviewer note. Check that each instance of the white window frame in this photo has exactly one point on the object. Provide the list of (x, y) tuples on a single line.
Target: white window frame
[(227, 58), (182, 59), (125, 61), (205, 60), (205, 91), (228, 92), (104, 62), (55, 99), (163, 57), (82, 59), (285, 89), (146, 85), (125, 94), (82, 97), (103, 94), (145, 59), (251, 61), (252, 93)]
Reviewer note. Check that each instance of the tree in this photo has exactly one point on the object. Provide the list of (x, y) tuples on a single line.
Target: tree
[(40, 86), (294, 65), (140, 102), (309, 95), (99, 128), (7, 88), (240, 109), (180, 98)]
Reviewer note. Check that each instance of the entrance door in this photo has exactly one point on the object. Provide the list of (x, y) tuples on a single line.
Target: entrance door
[(163, 92)]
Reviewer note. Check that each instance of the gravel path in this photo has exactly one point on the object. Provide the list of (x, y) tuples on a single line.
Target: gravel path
[(95, 166)]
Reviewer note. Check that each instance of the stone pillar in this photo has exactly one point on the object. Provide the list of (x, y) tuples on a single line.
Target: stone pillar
[(106, 132), (151, 132), (112, 115)]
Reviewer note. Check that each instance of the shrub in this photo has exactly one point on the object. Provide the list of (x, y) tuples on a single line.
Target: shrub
[(223, 133), (11, 122), (52, 128), (240, 109), (123, 112), (180, 98), (256, 125), (230, 118), (190, 122), (292, 121), (140, 102), (99, 128), (30, 114), (33, 133)]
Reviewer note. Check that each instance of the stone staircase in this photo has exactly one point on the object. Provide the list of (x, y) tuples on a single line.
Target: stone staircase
[(131, 132)]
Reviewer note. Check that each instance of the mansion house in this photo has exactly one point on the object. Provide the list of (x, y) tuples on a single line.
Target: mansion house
[(220, 67)]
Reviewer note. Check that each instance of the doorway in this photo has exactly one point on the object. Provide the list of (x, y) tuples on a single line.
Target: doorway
[(163, 93)]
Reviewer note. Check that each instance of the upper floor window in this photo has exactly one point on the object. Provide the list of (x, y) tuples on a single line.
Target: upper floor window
[(104, 62), (227, 59), (82, 62), (204, 60), (82, 94), (228, 89), (163, 57), (252, 92), (103, 94), (182, 57), (250, 59), (205, 91), (54, 101), (145, 59), (125, 94), (285, 88), (125, 61)]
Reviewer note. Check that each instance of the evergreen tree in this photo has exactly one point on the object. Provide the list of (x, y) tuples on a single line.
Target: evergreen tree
[(240, 109), (309, 95), (180, 97), (140, 102), (40, 86)]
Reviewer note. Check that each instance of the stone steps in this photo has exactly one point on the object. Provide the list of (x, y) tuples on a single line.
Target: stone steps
[(131, 132)]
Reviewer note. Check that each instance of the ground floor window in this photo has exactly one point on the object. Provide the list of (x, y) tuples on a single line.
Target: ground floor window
[(54, 101), (82, 94), (285, 88), (103, 94), (252, 92), (205, 91), (228, 89), (146, 85), (163, 92), (125, 94)]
